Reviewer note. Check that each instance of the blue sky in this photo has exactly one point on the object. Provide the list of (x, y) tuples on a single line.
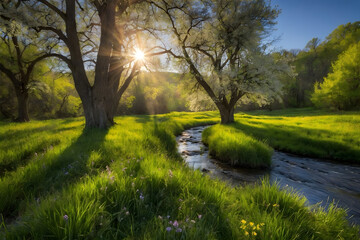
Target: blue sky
[(302, 20)]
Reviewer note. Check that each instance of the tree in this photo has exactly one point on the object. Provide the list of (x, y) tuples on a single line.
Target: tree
[(314, 62), (78, 24), (341, 88), (219, 42), (20, 56)]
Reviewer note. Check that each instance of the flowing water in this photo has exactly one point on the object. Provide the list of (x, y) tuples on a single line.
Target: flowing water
[(318, 180)]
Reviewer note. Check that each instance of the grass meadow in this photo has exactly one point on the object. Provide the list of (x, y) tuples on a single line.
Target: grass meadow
[(307, 132), (60, 181)]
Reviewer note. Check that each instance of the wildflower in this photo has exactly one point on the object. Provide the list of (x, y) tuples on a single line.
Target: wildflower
[(171, 222), (66, 173), (258, 227), (176, 224), (262, 224), (254, 233), (168, 229), (112, 179), (246, 233), (193, 221), (127, 213), (199, 216), (243, 221), (141, 196), (168, 216), (178, 230), (251, 224), (66, 217), (160, 217), (180, 200)]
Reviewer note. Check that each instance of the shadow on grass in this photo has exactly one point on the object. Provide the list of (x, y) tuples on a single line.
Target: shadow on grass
[(298, 112), (50, 175), (23, 156), (24, 134), (166, 138), (294, 141), (142, 118)]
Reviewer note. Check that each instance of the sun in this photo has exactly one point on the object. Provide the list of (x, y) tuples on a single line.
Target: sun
[(139, 55)]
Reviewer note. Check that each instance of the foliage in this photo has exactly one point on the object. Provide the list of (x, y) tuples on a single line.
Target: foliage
[(154, 93), (314, 62), (231, 145), (129, 182), (341, 88), (53, 96), (307, 132)]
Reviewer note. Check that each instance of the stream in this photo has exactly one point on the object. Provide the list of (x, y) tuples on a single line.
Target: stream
[(318, 180)]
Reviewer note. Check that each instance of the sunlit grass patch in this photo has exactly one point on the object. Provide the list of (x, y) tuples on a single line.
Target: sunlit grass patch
[(306, 131), (230, 145)]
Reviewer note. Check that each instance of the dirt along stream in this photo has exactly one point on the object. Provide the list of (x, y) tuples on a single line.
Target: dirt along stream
[(319, 181)]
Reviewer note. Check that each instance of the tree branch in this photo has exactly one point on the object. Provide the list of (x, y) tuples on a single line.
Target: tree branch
[(54, 8), (9, 73)]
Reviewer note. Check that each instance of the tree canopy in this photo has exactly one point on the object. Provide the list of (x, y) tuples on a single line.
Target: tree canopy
[(219, 42), (341, 88)]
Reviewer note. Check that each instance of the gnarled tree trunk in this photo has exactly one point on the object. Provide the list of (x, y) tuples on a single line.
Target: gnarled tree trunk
[(227, 114)]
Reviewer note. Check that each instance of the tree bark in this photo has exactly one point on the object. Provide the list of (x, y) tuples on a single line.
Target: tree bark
[(23, 99), (227, 114)]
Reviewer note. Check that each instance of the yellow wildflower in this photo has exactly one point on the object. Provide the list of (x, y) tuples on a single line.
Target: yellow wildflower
[(251, 223), (258, 227), (254, 233), (246, 233), (243, 221)]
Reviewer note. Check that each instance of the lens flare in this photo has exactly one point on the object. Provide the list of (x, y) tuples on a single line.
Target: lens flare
[(139, 55)]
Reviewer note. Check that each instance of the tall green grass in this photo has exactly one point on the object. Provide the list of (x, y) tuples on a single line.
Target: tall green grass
[(309, 132), (129, 183), (230, 145)]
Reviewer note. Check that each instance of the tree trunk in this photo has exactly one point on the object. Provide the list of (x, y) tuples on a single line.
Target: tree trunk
[(95, 111), (227, 115), (22, 98)]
